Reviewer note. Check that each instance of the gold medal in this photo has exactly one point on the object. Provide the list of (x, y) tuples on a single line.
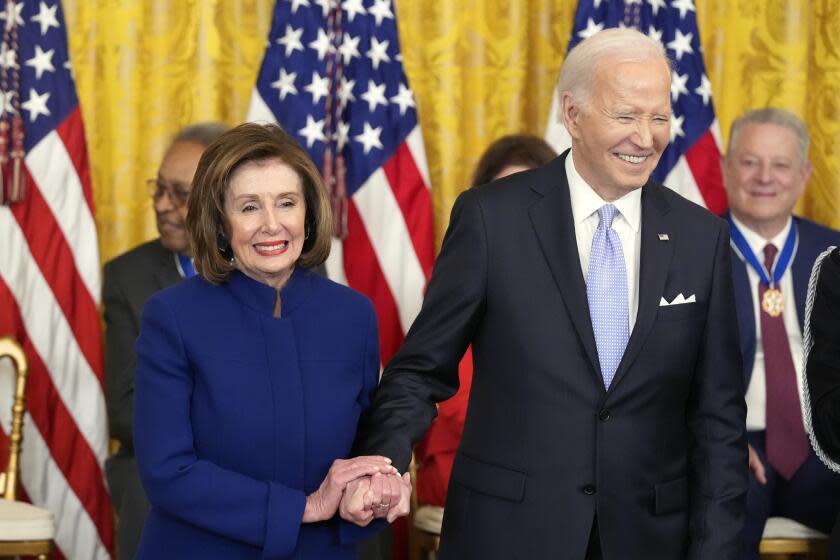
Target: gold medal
[(772, 302)]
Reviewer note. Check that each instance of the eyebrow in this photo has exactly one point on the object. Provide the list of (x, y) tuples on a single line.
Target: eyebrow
[(252, 196), (172, 182)]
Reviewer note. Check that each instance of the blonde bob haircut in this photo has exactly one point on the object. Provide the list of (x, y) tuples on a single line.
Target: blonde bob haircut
[(206, 225)]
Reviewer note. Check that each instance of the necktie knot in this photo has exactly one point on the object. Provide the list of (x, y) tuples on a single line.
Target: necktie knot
[(607, 214), (770, 251)]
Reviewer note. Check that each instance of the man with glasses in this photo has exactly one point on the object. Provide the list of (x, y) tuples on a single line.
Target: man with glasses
[(129, 280)]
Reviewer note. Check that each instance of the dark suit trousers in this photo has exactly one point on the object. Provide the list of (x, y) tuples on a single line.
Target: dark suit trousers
[(811, 497)]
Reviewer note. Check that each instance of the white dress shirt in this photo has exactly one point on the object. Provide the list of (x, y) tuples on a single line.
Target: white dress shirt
[(757, 392), (627, 224)]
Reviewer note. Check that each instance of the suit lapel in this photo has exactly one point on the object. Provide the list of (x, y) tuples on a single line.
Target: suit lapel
[(553, 223), (654, 264), (166, 273)]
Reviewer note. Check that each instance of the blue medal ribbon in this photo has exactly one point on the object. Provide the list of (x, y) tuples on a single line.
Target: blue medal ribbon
[(781, 264), (186, 265)]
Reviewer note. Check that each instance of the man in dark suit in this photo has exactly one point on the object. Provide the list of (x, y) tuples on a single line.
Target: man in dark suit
[(606, 418), (766, 170), (129, 280)]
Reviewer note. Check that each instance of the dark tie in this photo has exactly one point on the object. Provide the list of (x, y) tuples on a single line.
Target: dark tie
[(787, 443)]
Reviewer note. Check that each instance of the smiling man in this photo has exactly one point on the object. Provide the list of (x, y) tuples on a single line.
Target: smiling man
[(766, 170), (606, 417), (129, 280)]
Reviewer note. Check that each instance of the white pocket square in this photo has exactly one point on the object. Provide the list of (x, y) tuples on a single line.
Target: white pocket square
[(680, 299)]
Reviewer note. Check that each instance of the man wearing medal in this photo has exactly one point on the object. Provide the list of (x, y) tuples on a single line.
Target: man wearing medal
[(766, 169)]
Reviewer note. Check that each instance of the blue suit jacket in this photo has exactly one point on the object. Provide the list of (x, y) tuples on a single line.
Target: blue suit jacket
[(239, 415), (813, 240)]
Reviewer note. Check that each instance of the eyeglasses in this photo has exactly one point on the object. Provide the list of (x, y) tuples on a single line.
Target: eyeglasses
[(178, 196)]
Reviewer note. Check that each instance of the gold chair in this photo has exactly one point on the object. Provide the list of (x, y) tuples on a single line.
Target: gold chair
[(785, 539), (24, 529), (423, 526)]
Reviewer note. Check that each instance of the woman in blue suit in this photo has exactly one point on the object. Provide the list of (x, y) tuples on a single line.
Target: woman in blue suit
[(252, 375)]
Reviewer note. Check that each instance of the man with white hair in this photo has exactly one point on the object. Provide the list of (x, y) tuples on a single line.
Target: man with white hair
[(606, 418), (766, 170)]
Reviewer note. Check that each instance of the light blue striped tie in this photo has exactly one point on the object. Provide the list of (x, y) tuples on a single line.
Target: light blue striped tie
[(606, 291)]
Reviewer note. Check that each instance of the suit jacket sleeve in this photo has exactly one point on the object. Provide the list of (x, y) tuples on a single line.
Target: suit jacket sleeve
[(718, 472), (121, 332), (261, 513), (350, 533), (425, 370)]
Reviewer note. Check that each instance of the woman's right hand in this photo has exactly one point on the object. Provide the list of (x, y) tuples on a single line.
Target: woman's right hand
[(323, 503)]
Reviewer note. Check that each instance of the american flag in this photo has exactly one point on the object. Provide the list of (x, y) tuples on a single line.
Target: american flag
[(50, 284), (333, 77), (691, 163)]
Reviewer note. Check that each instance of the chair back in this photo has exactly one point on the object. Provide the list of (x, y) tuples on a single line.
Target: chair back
[(8, 479)]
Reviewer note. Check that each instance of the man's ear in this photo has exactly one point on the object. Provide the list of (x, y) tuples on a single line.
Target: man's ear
[(570, 113)]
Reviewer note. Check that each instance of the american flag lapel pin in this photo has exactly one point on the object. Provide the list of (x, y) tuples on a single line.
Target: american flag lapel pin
[(663, 237)]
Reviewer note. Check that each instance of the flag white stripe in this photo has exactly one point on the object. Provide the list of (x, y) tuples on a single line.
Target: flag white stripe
[(715, 128), (76, 534), (56, 178), (418, 152), (258, 111), (52, 337), (335, 262), (681, 180), (392, 244)]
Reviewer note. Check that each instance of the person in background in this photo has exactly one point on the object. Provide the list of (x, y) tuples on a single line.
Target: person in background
[(606, 415), (251, 376), (435, 453), (129, 280), (766, 170), (822, 367)]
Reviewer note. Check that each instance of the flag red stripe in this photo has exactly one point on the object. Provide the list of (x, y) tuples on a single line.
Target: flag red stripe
[(415, 202), (72, 134), (68, 447), (703, 159), (365, 275), (50, 250)]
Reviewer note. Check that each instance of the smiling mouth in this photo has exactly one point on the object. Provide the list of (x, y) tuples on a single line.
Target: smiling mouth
[(269, 249), (632, 159)]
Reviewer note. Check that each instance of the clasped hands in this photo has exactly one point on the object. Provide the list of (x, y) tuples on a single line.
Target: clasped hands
[(360, 489)]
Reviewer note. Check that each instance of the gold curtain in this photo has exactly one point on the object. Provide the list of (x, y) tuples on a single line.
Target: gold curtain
[(479, 69)]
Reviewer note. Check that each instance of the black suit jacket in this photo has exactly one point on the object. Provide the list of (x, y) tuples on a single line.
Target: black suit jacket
[(660, 457), (129, 280), (822, 369)]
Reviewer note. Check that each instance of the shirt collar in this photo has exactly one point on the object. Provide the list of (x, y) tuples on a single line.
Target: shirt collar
[(586, 201), (756, 242)]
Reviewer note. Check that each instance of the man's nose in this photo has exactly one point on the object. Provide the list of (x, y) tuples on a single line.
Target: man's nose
[(644, 135), (163, 202), (765, 174)]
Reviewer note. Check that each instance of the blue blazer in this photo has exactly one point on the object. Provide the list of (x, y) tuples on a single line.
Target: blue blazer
[(813, 240), (239, 415)]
